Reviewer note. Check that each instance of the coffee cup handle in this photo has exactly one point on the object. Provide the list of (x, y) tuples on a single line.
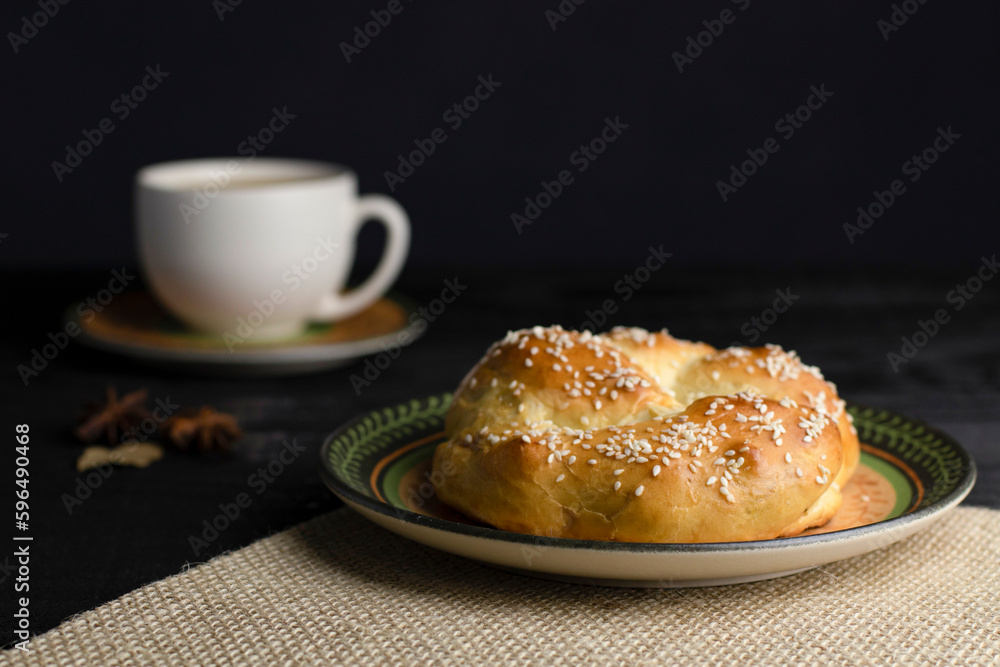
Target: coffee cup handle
[(397, 244)]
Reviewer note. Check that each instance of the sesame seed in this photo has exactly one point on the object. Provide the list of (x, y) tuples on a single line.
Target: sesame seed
[(697, 463), (527, 363), (551, 456), (556, 367), (798, 472), (571, 460), (740, 417), (618, 485), (592, 462), (692, 467), (526, 439), (819, 479), (656, 470), (619, 471), (744, 449), (641, 459), (597, 404), (788, 458), (730, 452), (639, 489), (719, 461), (533, 350), (711, 480), (560, 478)]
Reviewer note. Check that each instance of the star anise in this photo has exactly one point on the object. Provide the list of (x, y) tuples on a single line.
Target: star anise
[(114, 418), (205, 429)]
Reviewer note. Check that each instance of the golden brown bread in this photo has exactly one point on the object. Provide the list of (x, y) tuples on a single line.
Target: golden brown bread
[(640, 437)]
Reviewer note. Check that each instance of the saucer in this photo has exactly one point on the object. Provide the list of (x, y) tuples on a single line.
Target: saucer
[(910, 475), (135, 325)]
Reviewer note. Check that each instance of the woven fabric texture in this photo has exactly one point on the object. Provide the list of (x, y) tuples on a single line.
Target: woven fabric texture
[(338, 590)]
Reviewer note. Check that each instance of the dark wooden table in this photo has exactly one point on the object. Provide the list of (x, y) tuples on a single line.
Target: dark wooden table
[(134, 527)]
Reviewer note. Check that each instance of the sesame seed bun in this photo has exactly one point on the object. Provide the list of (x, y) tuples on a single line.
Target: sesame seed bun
[(640, 437)]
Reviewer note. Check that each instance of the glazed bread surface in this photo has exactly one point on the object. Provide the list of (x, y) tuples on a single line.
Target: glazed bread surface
[(641, 437)]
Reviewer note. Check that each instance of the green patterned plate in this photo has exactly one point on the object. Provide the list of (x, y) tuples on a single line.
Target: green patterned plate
[(910, 475)]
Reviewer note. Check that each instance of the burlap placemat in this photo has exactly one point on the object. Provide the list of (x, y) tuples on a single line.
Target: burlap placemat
[(338, 590)]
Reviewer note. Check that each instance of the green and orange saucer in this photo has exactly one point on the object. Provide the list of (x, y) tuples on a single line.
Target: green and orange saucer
[(134, 325), (910, 476)]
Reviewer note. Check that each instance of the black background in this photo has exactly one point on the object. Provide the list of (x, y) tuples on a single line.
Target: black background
[(655, 185), (657, 182)]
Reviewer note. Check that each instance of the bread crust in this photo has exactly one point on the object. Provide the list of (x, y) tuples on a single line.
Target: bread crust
[(640, 437)]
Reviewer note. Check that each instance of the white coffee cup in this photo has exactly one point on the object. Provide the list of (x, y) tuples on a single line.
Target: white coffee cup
[(267, 245)]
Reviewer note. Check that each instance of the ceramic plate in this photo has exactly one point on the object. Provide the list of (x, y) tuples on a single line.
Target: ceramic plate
[(910, 475), (134, 325)]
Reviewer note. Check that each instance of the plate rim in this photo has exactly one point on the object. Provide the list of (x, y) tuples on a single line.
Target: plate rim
[(344, 492)]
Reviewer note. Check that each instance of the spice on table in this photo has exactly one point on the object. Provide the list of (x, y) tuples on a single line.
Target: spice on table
[(205, 429), (111, 420), (135, 454)]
